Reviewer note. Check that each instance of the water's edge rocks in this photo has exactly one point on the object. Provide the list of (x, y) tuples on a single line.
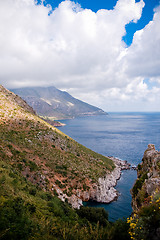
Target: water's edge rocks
[(103, 191)]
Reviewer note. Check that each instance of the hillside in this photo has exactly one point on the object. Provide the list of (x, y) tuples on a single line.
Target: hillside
[(46, 156), (145, 220), (38, 165), (28, 212), (55, 104)]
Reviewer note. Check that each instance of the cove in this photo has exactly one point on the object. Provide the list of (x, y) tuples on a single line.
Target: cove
[(122, 206), (122, 135)]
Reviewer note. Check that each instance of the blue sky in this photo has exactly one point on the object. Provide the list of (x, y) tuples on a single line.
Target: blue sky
[(106, 53), (131, 28)]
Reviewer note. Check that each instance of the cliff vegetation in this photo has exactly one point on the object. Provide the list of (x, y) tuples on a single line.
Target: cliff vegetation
[(44, 175), (39, 167), (145, 220), (44, 155)]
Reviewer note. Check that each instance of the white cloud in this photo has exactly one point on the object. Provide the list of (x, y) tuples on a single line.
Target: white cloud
[(79, 50), (143, 57)]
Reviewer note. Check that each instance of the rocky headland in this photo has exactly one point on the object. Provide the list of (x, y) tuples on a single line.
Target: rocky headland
[(103, 191), (148, 178), (53, 122), (56, 104), (145, 220)]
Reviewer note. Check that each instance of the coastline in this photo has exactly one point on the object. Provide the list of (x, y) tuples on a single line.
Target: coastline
[(54, 123), (104, 190)]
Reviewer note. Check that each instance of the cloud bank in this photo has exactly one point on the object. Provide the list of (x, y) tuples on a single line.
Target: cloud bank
[(82, 51)]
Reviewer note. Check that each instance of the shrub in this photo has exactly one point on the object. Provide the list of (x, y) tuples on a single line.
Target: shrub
[(138, 185), (32, 191), (32, 165), (94, 215)]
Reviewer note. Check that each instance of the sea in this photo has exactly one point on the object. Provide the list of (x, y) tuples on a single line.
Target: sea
[(122, 135)]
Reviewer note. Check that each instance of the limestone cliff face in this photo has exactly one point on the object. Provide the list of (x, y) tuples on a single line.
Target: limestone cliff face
[(148, 178), (103, 191)]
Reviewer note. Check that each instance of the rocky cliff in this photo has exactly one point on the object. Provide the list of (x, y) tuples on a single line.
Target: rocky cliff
[(145, 220), (103, 190), (148, 178)]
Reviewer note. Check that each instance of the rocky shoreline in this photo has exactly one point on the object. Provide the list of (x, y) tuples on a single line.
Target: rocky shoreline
[(124, 165), (104, 190)]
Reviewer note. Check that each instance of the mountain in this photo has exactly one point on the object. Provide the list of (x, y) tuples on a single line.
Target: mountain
[(55, 104), (39, 167), (69, 168), (45, 175)]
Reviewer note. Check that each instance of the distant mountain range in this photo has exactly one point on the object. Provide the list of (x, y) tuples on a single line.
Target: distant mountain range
[(55, 104)]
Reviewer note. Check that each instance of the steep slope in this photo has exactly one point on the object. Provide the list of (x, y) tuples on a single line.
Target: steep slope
[(55, 104), (145, 222), (28, 212), (47, 157), (14, 100), (38, 164)]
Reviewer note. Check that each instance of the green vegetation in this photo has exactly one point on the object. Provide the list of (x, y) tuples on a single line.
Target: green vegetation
[(145, 222), (38, 163), (43, 153), (138, 184), (94, 215), (27, 212), (36, 159)]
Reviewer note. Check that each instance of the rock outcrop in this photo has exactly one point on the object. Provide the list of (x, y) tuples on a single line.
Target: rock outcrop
[(148, 178), (145, 220), (104, 190)]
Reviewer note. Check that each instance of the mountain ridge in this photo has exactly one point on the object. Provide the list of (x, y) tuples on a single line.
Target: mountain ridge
[(56, 104)]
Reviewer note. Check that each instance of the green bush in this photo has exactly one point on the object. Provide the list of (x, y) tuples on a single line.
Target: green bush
[(138, 185), (14, 221), (119, 230), (139, 167), (32, 165), (94, 215)]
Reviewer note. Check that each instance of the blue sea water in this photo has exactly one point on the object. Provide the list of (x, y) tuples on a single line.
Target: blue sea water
[(122, 135)]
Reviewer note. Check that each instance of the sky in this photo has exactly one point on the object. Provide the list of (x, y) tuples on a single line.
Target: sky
[(106, 53)]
